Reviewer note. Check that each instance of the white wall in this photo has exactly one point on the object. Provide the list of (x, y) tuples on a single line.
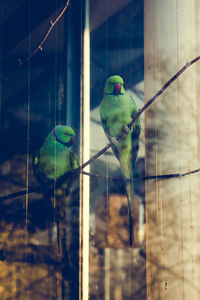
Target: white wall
[(172, 146)]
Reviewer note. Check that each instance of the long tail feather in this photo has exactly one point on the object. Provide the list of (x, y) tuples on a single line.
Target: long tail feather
[(130, 199), (65, 265), (60, 219), (131, 230)]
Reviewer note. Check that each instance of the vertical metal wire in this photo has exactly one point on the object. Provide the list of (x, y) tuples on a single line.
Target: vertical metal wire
[(81, 189), (107, 192), (179, 140), (107, 249), (54, 287), (55, 100), (28, 133), (155, 127), (131, 84), (28, 116), (55, 110)]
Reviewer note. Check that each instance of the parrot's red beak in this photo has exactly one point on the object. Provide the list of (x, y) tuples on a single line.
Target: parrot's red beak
[(117, 88)]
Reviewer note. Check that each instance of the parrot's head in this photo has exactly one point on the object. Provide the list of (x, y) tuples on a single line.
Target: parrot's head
[(64, 135), (114, 86)]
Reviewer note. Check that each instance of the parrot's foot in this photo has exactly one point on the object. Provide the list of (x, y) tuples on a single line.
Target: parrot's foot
[(126, 129), (114, 140), (133, 114)]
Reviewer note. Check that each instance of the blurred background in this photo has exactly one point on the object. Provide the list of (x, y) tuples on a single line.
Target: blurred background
[(35, 95)]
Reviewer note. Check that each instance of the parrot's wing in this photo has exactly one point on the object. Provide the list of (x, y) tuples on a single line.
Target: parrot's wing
[(74, 160), (135, 143), (45, 184), (66, 179), (135, 134), (36, 169), (106, 130), (135, 108)]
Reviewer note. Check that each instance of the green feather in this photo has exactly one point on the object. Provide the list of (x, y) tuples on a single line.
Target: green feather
[(117, 110), (53, 166)]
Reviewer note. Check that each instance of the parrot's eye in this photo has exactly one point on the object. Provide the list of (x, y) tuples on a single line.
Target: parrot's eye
[(65, 133)]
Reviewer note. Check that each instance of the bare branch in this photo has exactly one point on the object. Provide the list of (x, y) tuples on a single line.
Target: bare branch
[(30, 190), (149, 102), (53, 23), (37, 188), (118, 138), (157, 177), (40, 46)]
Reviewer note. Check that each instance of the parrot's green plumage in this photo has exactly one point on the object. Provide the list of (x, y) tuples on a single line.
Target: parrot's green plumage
[(53, 165), (117, 110)]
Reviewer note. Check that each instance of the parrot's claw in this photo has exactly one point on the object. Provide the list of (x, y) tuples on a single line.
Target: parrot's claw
[(126, 129), (114, 140)]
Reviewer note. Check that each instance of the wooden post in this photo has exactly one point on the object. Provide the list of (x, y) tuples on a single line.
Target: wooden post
[(172, 145)]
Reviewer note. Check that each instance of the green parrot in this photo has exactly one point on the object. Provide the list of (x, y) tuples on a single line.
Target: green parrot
[(116, 111), (53, 165)]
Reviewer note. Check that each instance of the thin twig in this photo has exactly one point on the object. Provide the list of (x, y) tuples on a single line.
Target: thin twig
[(31, 189), (157, 177), (40, 46), (53, 23)]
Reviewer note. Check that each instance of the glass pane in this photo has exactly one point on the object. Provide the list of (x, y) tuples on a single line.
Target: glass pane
[(117, 271), (40, 88), (44, 50), (172, 148)]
